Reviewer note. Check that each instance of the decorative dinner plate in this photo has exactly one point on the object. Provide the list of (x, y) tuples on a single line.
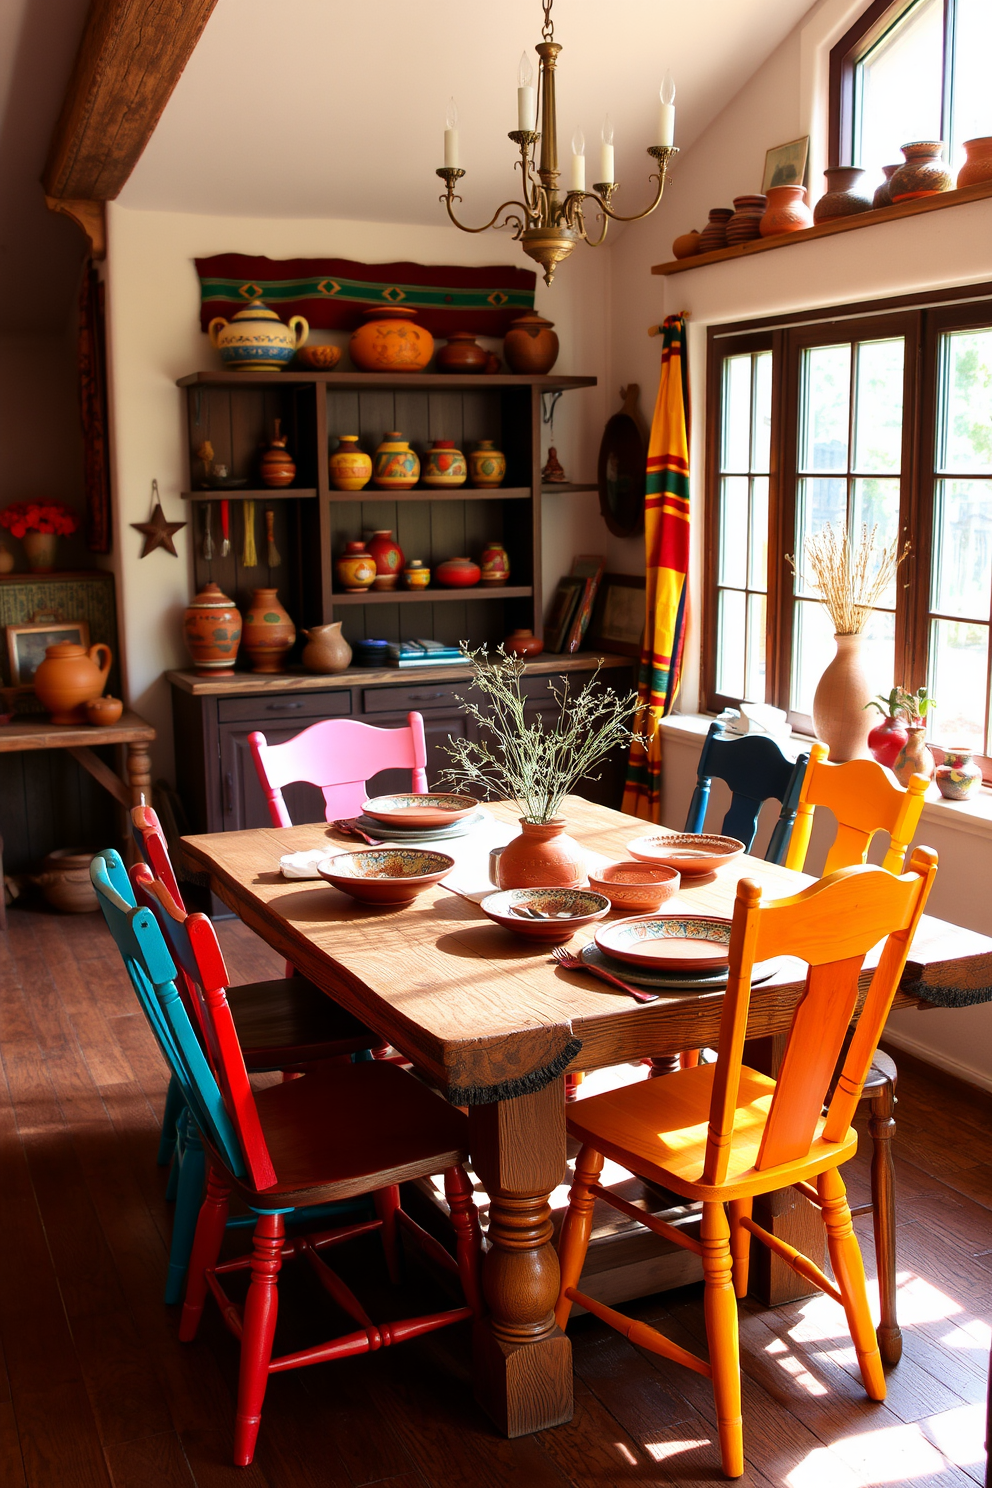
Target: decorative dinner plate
[(671, 981), (423, 812), (419, 836), (689, 852), (676, 942)]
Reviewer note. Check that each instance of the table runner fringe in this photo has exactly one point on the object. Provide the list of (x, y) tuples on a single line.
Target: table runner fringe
[(529, 1084)]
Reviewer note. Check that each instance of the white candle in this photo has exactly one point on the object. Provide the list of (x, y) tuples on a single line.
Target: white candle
[(451, 137), (577, 175), (526, 96), (666, 111), (606, 166)]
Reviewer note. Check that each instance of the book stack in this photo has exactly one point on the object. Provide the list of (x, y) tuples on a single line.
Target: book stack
[(424, 653), (571, 608)]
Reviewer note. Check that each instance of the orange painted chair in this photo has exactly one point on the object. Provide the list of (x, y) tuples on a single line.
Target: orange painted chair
[(865, 798), (722, 1133)]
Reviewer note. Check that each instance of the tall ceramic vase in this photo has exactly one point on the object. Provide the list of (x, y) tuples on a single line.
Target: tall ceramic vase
[(542, 857), (840, 718)]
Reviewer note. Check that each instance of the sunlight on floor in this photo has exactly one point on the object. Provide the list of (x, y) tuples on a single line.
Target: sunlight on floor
[(897, 1454), (959, 1433), (662, 1450)]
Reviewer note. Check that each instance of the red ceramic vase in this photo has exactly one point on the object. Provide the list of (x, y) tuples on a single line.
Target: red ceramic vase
[(388, 557), (542, 857)]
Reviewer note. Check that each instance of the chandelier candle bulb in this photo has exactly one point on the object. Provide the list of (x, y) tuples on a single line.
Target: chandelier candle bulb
[(451, 137), (526, 96), (666, 111), (577, 176), (606, 166)]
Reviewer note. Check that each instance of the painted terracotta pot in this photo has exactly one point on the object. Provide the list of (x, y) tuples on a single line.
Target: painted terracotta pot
[(541, 857), (444, 465), (101, 712), (350, 468), (416, 575), (390, 341), (388, 557), (839, 714), (923, 172), (958, 777), (319, 358), (523, 643), (530, 346), (495, 564), (458, 573), (276, 466), (255, 339), (462, 353), (395, 467), (212, 632), (40, 549), (69, 676), (355, 569), (326, 649), (914, 758), (686, 245), (842, 198), (268, 632), (487, 466), (65, 882), (977, 167), (745, 225), (714, 234), (786, 211), (882, 197)]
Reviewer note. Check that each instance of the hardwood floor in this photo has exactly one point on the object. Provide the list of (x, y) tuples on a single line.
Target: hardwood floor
[(96, 1390)]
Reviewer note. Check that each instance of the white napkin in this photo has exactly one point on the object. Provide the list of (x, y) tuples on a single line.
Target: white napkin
[(303, 864)]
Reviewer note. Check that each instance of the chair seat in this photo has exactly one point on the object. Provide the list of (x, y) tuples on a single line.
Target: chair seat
[(290, 1021), (658, 1128), (352, 1130)]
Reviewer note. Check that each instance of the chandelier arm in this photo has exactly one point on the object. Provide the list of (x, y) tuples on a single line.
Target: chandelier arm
[(511, 217), (578, 221)]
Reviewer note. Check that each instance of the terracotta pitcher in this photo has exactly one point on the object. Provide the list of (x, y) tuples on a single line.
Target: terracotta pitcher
[(69, 677), (542, 857), (326, 649)]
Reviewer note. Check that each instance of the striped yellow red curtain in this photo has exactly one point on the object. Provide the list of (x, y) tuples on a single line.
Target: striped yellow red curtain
[(666, 535)]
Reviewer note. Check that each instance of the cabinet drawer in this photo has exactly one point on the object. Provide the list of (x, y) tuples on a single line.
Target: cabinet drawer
[(417, 698), (262, 708)]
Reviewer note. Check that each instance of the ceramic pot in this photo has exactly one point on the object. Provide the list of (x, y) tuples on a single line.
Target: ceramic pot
[(269, 632), (686, 245), (882, 197), (326, 649), (923, 173), (840, 718), (459, 573), (395, 466), (745, 225), (212, 632), (462, 353), (914, 758), (255, 339), (887, 738), (390, 341), (495, 564), (714, 234), (487, 466), (40, 549), (350, 468), (841, 198), (958, 777), (276, 466), (319, 358), (445, 465), (417, 575), (541, 857), (355, 569), (101, 712), (977, 167), (523, 643), (530, 345), (388, 557), (68, 677), (6, 560), (786, 211), (65, 882)]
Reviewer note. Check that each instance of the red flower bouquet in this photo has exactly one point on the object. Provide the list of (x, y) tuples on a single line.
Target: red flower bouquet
[(38, 516)]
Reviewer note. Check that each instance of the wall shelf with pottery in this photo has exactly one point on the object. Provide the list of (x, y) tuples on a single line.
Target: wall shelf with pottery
[(423, 493), (264, 493), (408, 596)]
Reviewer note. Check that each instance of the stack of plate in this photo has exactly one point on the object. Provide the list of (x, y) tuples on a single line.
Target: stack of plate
[(677, 952), (417, 819)]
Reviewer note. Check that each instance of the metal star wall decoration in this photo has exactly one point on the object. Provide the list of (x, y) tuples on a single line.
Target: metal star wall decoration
[(158, 532)]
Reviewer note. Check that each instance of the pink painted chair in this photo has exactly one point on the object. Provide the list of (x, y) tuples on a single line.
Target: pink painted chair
[(339, 755)]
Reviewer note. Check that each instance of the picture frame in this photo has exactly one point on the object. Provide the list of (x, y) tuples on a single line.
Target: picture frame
[(568, 597), (26, 645), (785, 165), (617, 623)]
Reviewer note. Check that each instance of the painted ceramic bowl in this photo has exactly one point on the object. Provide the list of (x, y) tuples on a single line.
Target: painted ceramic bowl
[(689, 852), (548, 915), (385, 875), (669, 942), (319, 358), (424, 811), (635, 886)]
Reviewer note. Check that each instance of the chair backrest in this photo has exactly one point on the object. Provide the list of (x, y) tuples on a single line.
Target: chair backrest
[(339, 755), (153, 976), (146, 829), (832, 925), (757, 770), (865, 798), (192, 940)]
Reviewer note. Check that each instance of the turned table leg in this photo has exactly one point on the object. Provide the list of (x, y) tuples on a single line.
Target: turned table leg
[(139, 774), (523, 1361)]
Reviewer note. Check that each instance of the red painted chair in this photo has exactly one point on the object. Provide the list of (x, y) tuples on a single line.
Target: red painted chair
[(339, 755)]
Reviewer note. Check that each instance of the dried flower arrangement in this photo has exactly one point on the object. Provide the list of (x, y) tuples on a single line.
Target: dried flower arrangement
[(38, 516), (850, 577)]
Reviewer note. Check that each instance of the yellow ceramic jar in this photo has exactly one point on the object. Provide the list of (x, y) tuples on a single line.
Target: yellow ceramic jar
[(350, 467), (416, 575)]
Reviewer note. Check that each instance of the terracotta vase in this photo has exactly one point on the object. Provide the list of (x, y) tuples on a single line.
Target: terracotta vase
[(395, 466), (212, 632), (842, 198), (390, 341), (444, 465), (542, 857), (840, 718), (495, 564), (714, 234), (355, 569), (523, 643), (40, 549), (923, 172), (388, 557), (914, 758), (786, 211), (68, 677), (268, 632), (65, 881), (462, 353), (6, 560), (487, 466), (882, 197), (276, 467), (350, 468), (101, 712), (958, 777), (416, 575), (977, 167), (686, 245), (531, 345), (745, 225), (458, 573), (255, 339), (326, 649)]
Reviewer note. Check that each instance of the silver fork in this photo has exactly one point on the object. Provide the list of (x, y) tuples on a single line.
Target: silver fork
[(569, 962)]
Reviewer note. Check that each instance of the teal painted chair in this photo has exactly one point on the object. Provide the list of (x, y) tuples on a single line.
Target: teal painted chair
[(756, 770)]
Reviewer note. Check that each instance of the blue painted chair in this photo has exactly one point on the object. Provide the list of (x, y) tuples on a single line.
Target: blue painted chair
[(756, 770)]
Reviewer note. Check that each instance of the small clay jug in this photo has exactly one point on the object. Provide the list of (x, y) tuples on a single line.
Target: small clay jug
[(487, 466), (786, 211), (714, 234), (461, 353), (268, 632), (65, 882), (923, 173), (101, 712), (977, 167), (495, 562), (6, 560), (523, 643), (914, 758), (839, 714), (350, 468), (355, 569), (326, 649), (276, 466), (212, 632), (68, 677), (389, 560), (686, 245), (444, 465), (958, 778), (531, 345), (395, 467), (745, 225), (416, 575), (882, 197), (542, 857), (842, 198)]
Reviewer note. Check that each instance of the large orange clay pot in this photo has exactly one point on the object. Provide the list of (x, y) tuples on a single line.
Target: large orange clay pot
[(531, 345), (978, 165), (212, 632), (923, 172), (542, 857), (68, 677), (786, 211), (839, 714), (269, 632), (389, 341)]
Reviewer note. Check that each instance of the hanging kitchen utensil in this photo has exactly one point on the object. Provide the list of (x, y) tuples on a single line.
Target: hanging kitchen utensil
[(208, 541), (225, 527), (273, 557), (249, 553)]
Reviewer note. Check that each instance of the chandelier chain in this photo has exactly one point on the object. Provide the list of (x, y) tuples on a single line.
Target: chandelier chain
[(548, 29)]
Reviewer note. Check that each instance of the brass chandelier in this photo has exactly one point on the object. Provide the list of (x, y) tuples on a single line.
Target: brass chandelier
[(547, 222)]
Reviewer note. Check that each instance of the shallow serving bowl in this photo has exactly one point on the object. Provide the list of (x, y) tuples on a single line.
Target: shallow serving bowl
[(669, 942), (569, 910), (634, 885), (424, 811), (385, 875), (320, 358), (689, 852)]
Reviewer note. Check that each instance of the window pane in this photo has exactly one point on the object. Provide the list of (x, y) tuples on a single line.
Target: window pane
[(762, 412), (897, 89), (736, 413), (758, 561), (964, 434), (730, 644), (812, 647), (962, 549), (826, 381), (972, 48), (878, 652), (876, 504), (817, 503), (958, 680), (755, 648), (733, 531), (878, 407)]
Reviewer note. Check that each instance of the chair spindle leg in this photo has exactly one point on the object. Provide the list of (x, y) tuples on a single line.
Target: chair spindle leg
[(206, 1249), (468, 1235), (387, 1201), (882, 1129), (261, 1310), (740, 1243), (720, 1308), (849, 1271), (573, 1242)]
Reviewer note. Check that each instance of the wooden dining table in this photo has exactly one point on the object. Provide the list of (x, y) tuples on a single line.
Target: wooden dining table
[(494, 1023)]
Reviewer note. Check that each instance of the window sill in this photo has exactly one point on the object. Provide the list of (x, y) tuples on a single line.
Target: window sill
[(979, 192)]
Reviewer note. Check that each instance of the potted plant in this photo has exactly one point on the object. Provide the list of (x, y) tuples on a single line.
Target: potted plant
[(536, 764), (888, 736), (39, 525), (914, 758)]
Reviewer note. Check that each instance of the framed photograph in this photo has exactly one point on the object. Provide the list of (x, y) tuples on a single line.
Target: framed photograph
[(785, 165), (618, 619), (568, 597), (26, 645)]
